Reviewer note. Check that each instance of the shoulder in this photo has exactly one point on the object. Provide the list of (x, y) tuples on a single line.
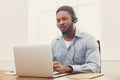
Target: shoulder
[(83, 35), (90, 40), (86, 36), (55, 41)]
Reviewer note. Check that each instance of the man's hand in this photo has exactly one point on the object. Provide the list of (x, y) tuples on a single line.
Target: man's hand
[(60, 68)]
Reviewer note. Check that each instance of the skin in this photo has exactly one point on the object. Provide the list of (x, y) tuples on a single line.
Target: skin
[(66, 26)]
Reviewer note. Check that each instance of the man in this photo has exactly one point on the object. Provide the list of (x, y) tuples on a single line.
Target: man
[(74, 51)]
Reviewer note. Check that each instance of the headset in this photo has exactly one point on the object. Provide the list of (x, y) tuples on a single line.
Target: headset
[(74, 19), (69, 10)]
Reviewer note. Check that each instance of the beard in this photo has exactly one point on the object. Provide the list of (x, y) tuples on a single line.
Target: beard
[(68, 30)]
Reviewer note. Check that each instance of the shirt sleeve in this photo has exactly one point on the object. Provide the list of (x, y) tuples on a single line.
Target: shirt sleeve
[(53, 48), (92, 62)]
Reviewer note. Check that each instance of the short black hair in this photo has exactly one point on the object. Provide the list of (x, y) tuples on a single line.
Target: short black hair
[(70, 10)]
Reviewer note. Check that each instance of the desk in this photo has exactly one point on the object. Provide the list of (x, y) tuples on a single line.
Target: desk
[(4, 76)]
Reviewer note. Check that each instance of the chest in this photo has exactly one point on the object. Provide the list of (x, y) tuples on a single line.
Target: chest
[(75, 53)]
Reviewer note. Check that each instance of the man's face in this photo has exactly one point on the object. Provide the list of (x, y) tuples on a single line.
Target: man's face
[(64, 21)]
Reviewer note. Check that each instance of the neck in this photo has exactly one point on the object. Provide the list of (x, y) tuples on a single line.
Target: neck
[(70, 35)]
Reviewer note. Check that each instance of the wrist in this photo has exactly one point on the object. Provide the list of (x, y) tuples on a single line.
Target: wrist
[(69, 69)]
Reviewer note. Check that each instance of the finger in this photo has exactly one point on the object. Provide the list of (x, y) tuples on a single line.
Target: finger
[(56, 65), (57, 69), (55, 62)]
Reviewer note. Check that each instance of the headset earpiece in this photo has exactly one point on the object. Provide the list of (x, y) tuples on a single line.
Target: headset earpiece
[(74, 19)]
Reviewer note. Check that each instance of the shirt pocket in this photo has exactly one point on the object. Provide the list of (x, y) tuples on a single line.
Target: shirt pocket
[(60, 54), (79, 58)]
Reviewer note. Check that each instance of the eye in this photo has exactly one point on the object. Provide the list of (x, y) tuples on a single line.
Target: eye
[(65, 18), (58, 20), (62, 19)]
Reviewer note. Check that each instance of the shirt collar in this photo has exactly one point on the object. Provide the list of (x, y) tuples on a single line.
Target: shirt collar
[(78, 33)]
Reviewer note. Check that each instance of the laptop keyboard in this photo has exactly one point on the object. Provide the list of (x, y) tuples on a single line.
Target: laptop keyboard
[(56, 73)]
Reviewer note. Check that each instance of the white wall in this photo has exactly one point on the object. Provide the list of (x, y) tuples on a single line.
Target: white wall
[(42, 18), (13, 26), (41, 21), (110, 25), (89, 17), (97, 17)]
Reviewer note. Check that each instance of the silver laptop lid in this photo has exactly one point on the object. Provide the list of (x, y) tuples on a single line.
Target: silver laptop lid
[(35, 60)]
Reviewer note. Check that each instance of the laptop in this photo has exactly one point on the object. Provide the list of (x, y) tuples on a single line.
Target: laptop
[(34, 61)]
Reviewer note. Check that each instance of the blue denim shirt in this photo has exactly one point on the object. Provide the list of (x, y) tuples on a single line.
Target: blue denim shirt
[(82, 54)]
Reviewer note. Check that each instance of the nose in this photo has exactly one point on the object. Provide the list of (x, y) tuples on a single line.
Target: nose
[(61, 22)]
